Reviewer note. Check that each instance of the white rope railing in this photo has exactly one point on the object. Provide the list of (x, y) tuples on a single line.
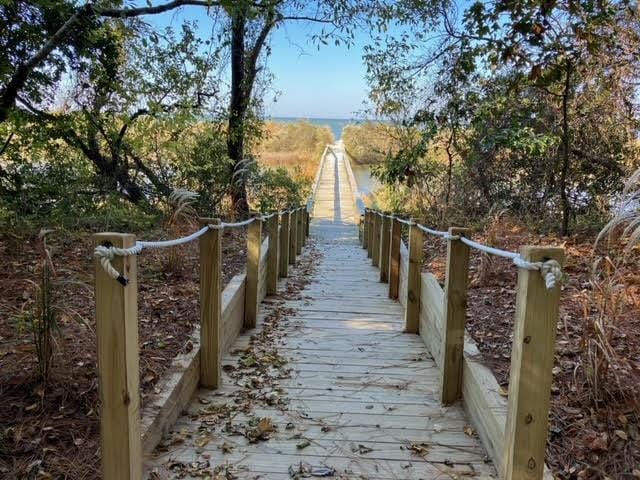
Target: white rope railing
[(550, 270), (107, 253)]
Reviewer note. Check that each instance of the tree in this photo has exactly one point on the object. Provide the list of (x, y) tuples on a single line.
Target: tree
[(526, 84)]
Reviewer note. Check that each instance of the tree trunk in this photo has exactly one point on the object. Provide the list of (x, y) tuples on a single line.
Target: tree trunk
[(237, 113), (564, 172)]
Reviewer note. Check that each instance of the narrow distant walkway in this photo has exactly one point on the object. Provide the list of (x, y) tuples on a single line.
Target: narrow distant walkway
[(356, 397)]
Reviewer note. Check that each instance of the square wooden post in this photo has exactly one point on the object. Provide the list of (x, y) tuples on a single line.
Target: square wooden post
[(300, 230), (370, 234), (412, 310), (293, 238), (211, 340), (254, 245), (118, 363), (385, 247), (455, 309), (272, 255), (532, 358), (394, 258), (307, 221), (365, 229), (284, 245), (375, 247), (361, 229)]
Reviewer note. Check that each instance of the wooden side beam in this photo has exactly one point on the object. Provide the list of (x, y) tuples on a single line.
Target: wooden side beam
[(532, 358), (455, 310), (118, 363)]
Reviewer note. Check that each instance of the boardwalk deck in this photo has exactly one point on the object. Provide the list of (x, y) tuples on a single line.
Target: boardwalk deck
[(356, 394)]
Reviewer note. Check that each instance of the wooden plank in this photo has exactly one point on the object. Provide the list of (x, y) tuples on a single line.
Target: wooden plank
[(385, 247), (532, 358), (175, 392), (233, 309), (414, 281), (431, 315), (284, 245), (272, 257), (254, 244), (455, 310), (118, 359), (210, 305)]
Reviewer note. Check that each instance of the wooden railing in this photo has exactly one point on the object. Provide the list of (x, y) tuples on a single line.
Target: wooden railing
[(126, 435), (357, 197), (513, 430)]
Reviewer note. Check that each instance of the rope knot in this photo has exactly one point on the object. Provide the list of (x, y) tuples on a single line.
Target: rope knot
[(551, 270)]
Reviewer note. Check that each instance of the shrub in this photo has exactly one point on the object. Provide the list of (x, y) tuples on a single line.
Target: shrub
[(277, 189)]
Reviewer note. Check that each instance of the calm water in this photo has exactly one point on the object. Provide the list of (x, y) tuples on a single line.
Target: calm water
[(336, 124), (366, 183)]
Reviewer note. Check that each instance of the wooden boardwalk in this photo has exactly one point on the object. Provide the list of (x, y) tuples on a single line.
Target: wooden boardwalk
[(327, 383)]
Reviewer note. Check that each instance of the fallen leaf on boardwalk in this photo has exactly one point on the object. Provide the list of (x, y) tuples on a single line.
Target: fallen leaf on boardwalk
[(202, 441), (420, 449), (636, 473), (469, 431), (503, 392), (303, 444), (361, 449), (226, 447), (304, 470)]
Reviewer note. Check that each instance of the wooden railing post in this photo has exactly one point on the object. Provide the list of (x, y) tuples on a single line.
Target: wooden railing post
[(284, 245), (385, 244), (118, 359), (455, 309), (210, 305), (370, 234), (414, 281), (363, 222), (272, 255), (300, 241), (307, 220), (293, 237), (254, 245), (394, 258), (532, 358), (377, 228)]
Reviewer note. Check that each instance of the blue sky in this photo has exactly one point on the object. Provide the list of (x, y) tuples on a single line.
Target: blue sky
[(325, 83), (309, 83)]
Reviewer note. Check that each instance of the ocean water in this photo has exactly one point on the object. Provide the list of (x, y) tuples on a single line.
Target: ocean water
[(336, 124)]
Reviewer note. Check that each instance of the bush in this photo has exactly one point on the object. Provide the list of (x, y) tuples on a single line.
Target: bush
[(276, 189)]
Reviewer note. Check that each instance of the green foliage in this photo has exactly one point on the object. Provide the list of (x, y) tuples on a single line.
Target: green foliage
[(276, 189), (532, 103)]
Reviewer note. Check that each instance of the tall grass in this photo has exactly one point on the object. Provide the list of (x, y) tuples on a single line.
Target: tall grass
[(294, 146)]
